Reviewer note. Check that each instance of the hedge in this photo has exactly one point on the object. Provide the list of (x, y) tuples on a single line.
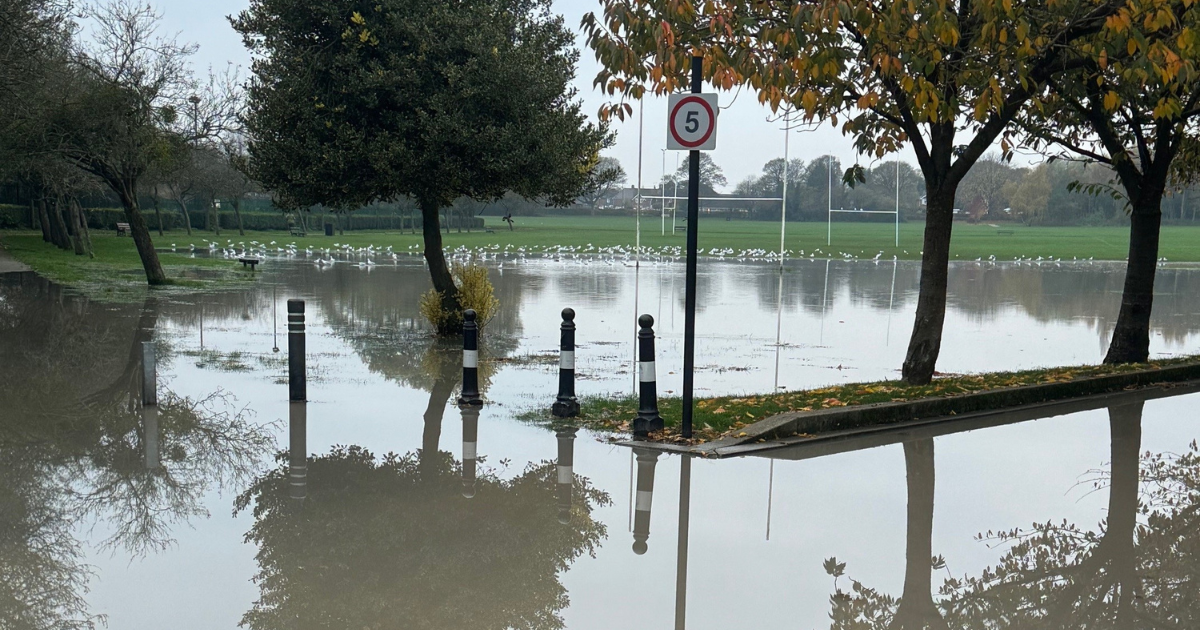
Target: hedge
[(108, 218)]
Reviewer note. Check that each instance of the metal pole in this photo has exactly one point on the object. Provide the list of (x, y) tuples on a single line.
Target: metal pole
[(297, 373), (681, 561), (675, 195), (637, 206), (693, 219)]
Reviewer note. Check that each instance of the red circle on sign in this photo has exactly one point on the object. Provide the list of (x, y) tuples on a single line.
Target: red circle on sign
[(712, 121)]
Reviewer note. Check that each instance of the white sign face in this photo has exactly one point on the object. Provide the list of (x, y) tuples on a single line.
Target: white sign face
[(692, 122)]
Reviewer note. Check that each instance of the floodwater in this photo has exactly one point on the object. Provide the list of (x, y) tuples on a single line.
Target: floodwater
[(188, 515)]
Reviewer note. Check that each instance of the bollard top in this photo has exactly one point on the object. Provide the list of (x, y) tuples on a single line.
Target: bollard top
[(645, 321), (295, 306), (564, 516), (640, 547), (568, 314), (469, 315)]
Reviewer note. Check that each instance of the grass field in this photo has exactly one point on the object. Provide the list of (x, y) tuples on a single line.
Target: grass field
[(859, 239), (116, 266), (116, 271)]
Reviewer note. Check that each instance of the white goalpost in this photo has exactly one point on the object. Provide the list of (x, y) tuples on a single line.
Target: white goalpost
[(831, 210)]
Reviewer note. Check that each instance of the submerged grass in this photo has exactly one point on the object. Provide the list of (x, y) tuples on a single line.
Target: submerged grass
[(724, 416), (115, 273)]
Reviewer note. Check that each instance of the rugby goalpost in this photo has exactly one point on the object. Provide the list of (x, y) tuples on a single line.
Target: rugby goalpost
[(831, 210)]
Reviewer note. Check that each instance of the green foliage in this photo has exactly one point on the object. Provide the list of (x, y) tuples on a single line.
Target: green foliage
[(355, 102), (475, 291)]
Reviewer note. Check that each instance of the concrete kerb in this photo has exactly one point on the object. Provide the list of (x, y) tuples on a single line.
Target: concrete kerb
[(840, 420)]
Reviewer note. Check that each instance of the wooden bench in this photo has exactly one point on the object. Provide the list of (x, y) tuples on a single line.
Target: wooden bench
[(122, 228), (251, 262), (680, 228), (296, 230), (1005, 232)]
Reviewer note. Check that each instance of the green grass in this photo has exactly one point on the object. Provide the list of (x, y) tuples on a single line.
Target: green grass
[(1179, 243), (116, 271), (725, 416)]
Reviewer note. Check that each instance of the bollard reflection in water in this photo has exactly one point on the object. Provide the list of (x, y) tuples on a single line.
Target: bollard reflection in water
[(647, 459), (566, 472), (298, 450), (470, 432)]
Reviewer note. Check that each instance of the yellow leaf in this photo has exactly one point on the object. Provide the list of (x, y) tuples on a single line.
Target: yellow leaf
[(358, 19), (1111, 100)]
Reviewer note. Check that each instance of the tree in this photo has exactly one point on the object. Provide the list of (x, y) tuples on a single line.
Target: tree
[(1132, 103), (604, 179), (124, 101), (947, 78), (987, 181), (711, 175), (433, 99)]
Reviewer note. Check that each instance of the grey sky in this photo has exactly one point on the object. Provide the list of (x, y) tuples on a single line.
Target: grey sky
[(745, 139)]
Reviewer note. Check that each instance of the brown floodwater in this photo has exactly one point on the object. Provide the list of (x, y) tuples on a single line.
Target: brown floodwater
[(416, 514)]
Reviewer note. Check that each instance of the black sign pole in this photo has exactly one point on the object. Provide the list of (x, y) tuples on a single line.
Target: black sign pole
[(693, 218)]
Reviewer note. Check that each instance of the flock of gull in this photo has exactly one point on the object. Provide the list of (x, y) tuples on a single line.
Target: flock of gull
[(371, 256)]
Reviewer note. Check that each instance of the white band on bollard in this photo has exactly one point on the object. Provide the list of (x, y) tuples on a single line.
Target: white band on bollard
[(468, 450), (646, 371), (566, 359), (642, 503), (565, 475), (470, 358)]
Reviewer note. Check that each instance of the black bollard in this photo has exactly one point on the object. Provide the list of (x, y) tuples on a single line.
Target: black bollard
[(297, 373), (647, 459), (470, 431), (567, 405), (647, 419), (298, 450), (566, 472), (149, 374), (470, 361)]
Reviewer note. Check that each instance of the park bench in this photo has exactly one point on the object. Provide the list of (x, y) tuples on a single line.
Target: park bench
[(680, 228), (1005, 232), (122, 228), (251, 262), (296, 230)]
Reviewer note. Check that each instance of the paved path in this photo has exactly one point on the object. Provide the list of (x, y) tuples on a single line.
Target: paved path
[(8, 264)]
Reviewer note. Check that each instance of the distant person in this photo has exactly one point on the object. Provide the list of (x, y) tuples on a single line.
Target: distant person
[(508, 219)]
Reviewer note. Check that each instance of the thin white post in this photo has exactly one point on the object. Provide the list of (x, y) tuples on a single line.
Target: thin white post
[(829, 206), (662, 203), (897, 202), (637, 207), (783, 207)]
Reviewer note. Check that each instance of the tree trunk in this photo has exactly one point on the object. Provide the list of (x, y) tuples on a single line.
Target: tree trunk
[(341, 228), (216, 214), (1117, 546), (187, 218), (81, 241), (44, 219), (916, 608), (62, 237), (237, 212), (1131, 337), (439, 272), (926, 340), (157, 210), (127, 191)]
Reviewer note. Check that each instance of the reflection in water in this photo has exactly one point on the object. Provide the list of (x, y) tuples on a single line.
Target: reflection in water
[(78, 446), (566, 471), (647, 459), (388, 542), (1140, 570)]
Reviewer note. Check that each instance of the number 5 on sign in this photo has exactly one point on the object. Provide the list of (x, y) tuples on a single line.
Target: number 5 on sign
[(692, 122)]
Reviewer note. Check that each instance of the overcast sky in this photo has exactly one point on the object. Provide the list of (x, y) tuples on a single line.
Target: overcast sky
[(745, 138)]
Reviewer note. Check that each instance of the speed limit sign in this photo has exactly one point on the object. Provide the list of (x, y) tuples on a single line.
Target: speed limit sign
[(692, 122)]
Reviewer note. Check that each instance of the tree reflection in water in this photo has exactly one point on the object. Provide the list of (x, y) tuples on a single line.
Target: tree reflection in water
[(391, 543), (1140, 570), (78, 448)]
